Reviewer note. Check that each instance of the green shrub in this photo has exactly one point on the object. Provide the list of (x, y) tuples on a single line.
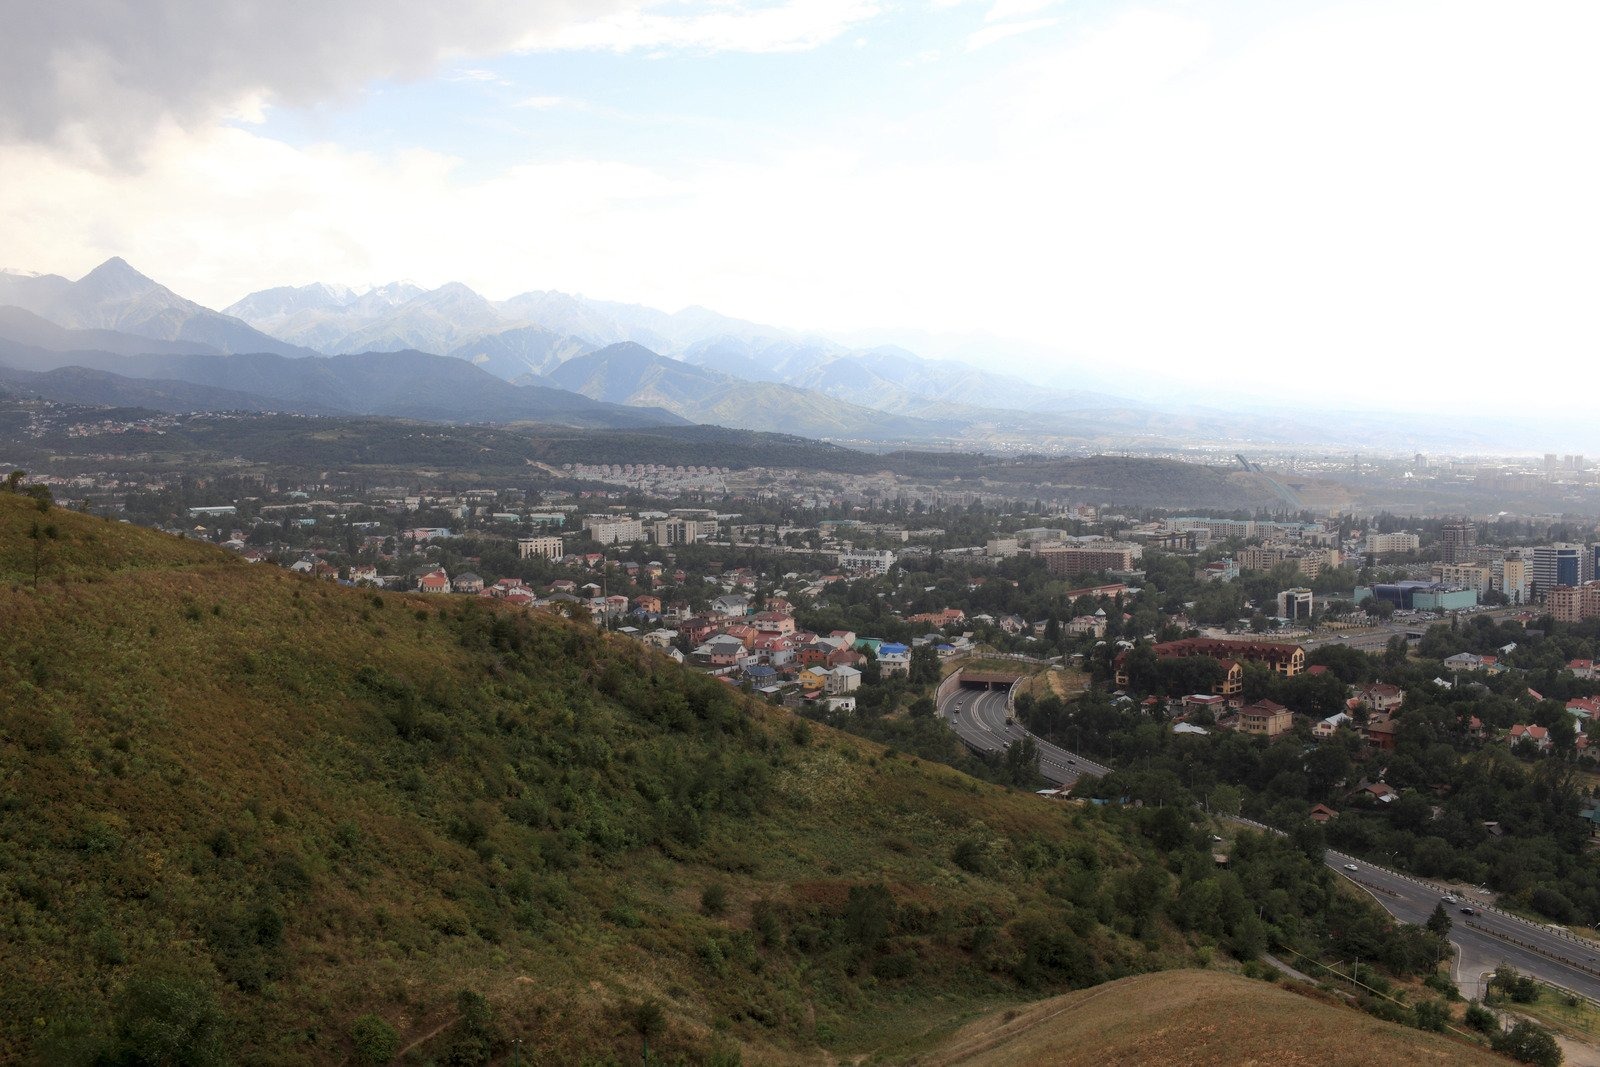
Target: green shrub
[(1481, 1018), (1527, 1043), (714, 899), (374, 1039)]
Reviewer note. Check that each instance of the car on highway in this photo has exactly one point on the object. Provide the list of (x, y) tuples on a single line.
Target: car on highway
[(1072, 763), (1467, 911), (1351, 867)]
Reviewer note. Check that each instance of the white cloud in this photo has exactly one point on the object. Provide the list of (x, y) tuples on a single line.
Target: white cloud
[(99, 78), (550, 103), (728, 26), (1006, 10), (1391, 202), (1001, 30)]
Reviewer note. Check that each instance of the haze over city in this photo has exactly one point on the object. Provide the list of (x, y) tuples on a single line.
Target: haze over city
[(1382, 206)]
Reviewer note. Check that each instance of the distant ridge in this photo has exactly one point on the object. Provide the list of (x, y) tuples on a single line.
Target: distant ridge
[(114, 296)]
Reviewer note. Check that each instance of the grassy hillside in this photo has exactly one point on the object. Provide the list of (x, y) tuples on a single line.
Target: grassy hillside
[(1195, 1017), (246, 813)]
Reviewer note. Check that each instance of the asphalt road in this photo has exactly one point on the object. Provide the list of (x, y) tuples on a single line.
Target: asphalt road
[(981, 723), (1484, 939), (1373, 639)]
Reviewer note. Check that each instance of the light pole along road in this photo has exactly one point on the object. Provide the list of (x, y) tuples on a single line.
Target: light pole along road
[(1486, 938)]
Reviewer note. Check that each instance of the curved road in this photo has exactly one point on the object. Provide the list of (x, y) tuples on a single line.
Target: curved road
[(978, 717), (1485, 939)]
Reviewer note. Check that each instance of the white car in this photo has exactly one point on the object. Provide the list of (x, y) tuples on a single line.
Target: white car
[(1351, 867)]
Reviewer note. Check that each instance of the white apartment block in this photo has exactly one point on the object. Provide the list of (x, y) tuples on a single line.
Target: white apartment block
[(867, 560), (541, 547), (1382, 544), (613, 531)]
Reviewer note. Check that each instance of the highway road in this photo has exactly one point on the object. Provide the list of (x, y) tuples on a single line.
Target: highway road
[(1484, 939), (978, 717), (1374, 638)]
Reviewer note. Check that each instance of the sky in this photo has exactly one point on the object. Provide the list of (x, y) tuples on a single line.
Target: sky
[(1384, 204)]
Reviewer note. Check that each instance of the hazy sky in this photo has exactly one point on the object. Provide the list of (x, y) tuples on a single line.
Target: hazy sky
[(1389, 202)]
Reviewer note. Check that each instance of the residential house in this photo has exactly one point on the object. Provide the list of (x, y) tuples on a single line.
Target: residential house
[(506, 586), (773, 622), (1583, 668), (721, 651), (1380, 696), (894, 658), (434, 582), (731, 605), (760, 675), (364, 574), (1285, 659), (812, 655), (1380, 732), (1537, 734), (1265, 718), (1212, 702), (1382, 792), (650, 605), (947, 617), (467, 583), (1584, 707), (1330, 726), (1322, 814), (1088, 624), (842, 680), (697, 629), (662, 639), (845, 657), (813, 678)]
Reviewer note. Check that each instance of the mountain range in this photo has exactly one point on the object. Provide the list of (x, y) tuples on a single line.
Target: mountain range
[(570, 360), (116, 297), (90, 367)]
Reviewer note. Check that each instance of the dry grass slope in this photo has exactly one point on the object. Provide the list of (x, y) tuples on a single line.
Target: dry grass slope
[(1195, 1018), (321, 803)]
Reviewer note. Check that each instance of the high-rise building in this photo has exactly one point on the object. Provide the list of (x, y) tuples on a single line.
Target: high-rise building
[(1510, 576), (1296, 604), (1553, 565), (1456, 540), (1478, 576), (1568, 604)]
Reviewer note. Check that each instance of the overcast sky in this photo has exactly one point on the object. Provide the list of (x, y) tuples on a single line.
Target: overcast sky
[(1388, 202)]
